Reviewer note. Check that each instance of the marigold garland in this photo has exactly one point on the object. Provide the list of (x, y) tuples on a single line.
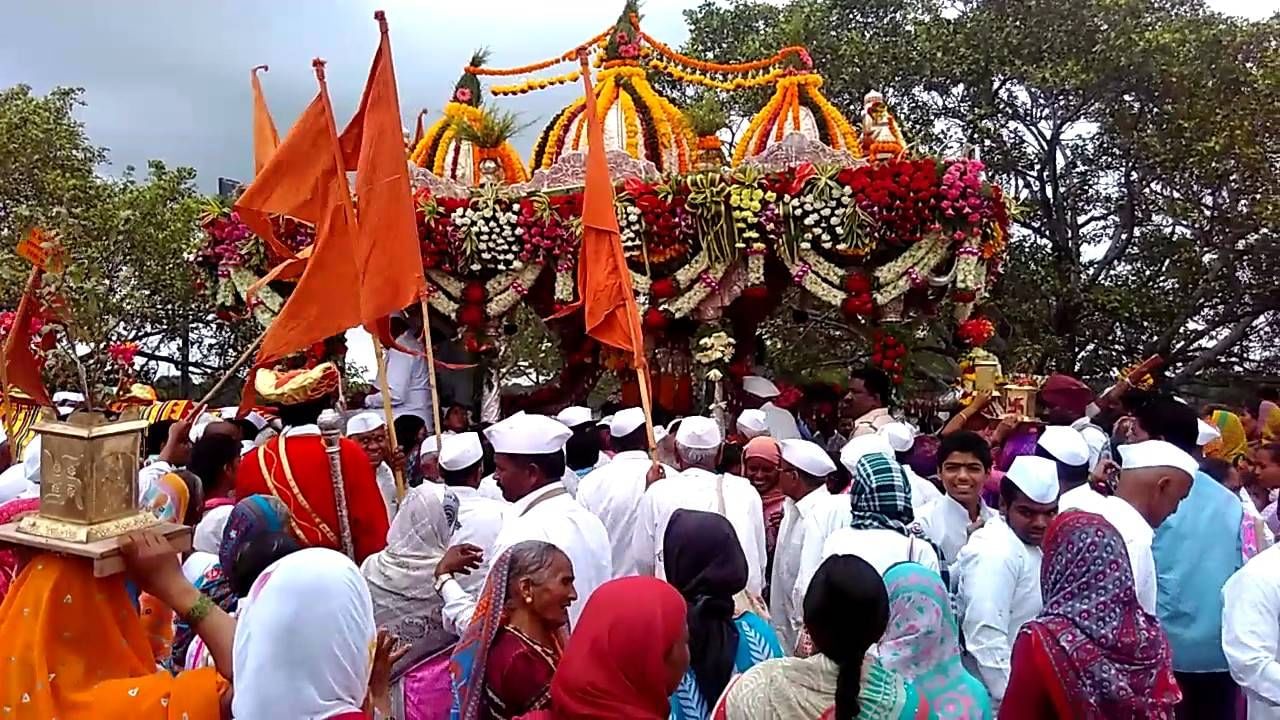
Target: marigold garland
[(630, 122), (535, 67), (535, 84), (710, 82), (706, 66)]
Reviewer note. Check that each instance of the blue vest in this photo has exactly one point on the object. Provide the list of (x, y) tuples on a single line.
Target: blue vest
[(1196, 550)]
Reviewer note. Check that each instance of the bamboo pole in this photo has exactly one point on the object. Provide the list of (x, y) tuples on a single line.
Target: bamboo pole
[(431, 366), (239, 363), (381, 355)]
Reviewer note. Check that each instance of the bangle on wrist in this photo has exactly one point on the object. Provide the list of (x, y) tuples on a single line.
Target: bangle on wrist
[(198, 611)]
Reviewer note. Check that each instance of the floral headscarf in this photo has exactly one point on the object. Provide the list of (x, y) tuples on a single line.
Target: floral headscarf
[(922, 644)]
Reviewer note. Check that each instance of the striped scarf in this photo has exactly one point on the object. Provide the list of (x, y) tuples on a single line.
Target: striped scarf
[(880, 495)]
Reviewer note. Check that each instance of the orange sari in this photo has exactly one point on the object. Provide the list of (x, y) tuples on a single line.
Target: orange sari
[(72, 647)]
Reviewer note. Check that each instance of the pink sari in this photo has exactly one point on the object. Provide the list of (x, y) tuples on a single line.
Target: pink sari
[(425, 689)]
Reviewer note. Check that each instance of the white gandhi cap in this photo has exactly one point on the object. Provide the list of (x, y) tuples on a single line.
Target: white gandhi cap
[(525, 434), (364, 422), (626, 421), (752, 423), (760, 387), (1065, 444), (807, 456), (855, 449), (699, 433), (1206, 433), (1036, 477), (574, 415), (1156, 453), (461, 451), (900, 436)]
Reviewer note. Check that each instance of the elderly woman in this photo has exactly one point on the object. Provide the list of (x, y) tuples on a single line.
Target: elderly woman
[(503, 665)]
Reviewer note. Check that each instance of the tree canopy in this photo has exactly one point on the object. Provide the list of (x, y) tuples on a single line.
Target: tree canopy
[(1137, 136), (128, 242)]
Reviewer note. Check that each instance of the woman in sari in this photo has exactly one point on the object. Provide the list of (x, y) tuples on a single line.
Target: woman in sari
[(252, 517), (503, 664), (1233, 445), (405, 601), (846, 611), (306, 645), (77, 651), (761, 461), (629, 652), (1093, 653), (922, 644), (704, 561), (172, 498)]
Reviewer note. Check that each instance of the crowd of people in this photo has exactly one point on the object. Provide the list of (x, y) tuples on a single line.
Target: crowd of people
[(1112, 558)]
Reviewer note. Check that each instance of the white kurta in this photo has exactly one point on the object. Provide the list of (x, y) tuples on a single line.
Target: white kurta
[(697, 489), (806, 523), (923, 492), (1251, 632), (480, 521), (408, 381), (946, 522), (1137, 535), (387, 486), (489, 488), (551, 515), (782, 424), (881, 548), (612, 492), (1083, 498), (998, 590)]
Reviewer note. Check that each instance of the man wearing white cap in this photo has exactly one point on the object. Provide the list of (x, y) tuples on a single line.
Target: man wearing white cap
[(574, 416), (810, 514), (429, 459), (408, 378), (1155, 476), (997, 573), (752, 424), (699, 487), (369, 429), (529, 453), (758, 394), (964, 463), (901, 437), (1070, 450), (613, 491), (1251, 633), (480, 521)]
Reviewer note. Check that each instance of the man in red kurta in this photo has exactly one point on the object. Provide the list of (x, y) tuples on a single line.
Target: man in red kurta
[(294, 467)]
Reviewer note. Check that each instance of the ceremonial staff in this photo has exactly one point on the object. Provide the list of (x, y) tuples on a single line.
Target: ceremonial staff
[(331, 433)]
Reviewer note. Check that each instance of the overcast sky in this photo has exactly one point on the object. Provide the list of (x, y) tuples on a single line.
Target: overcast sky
[(169, 80)]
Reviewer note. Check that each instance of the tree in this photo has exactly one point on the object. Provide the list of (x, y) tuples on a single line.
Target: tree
[(1136, 136), (128, 242)]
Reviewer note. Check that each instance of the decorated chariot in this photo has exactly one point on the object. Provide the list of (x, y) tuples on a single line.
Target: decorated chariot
[(716, 233)]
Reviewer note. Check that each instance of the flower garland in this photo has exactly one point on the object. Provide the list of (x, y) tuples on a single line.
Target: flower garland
[(536, 84), (795, 51), (733, 85), (899, 276), (975, 332), (888, 353)]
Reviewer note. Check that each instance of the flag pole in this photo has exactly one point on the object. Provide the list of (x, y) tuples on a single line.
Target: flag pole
[(239, 363), (431, 362), (388, 415)]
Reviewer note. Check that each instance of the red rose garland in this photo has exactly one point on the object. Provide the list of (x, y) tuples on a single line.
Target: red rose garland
[(889, 355)]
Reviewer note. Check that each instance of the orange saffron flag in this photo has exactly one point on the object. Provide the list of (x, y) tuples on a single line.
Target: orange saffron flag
[(305, 180), (21, 368), (265, 137), (604, 284), (387, 255)]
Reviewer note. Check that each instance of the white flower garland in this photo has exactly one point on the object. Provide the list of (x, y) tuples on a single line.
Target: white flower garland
[(822, 267), (507, 289), (446, 282), (931, 252), (893, 271), (821, 290), (441, 302), (681, 306), (969, 270), (755, 265), (690, 272), (564, 282)]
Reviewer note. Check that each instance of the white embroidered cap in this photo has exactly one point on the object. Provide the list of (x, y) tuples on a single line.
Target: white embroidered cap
[(807, 456)]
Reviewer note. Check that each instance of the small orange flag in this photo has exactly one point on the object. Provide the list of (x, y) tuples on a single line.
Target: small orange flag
[(604, 284), (387, 255), (265, 137), (21, 369), (304, 179)]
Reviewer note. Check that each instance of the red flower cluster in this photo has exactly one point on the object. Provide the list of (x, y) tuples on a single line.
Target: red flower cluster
[(434, 227), (859, 303), (975, 332), (899, 196), (889, 354), (663, 220), (655, 320), (546, 236), (471, 312), (123, 353), (663, 289)]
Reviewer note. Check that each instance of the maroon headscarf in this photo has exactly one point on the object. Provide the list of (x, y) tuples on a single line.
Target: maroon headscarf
[(1110, 655), (1066, 392), (615, 665)]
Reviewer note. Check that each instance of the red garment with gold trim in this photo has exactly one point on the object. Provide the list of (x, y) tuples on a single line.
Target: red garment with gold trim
[(301, 480)]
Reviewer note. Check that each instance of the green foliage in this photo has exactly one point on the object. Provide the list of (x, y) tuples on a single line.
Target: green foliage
[(706, 116), (494, 128), (128, 241), (1137, 136)]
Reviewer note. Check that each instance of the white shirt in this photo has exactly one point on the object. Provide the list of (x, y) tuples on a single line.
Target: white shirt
[(946, 522), (880, 547), (806, 523), (1083, 498), (923, 492), (489, 488), (551, 515), (698, 489), (1137, 535), (612, 492), (480, 521), (998, 590), (408, 380), (782, 424), (1094, 437), (1251, 632), (387, 486)]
